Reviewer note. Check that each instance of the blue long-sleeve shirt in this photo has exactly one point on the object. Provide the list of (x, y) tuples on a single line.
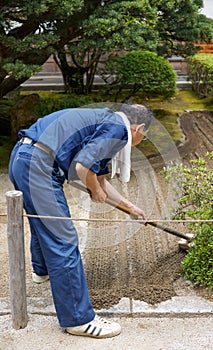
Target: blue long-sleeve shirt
[(91, 137)]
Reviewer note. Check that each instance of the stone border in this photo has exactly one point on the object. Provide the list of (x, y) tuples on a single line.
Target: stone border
[(178, 306)]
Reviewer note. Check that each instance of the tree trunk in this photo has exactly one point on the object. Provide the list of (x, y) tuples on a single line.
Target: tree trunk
[(73, 76), (91, 74), (10, 84)]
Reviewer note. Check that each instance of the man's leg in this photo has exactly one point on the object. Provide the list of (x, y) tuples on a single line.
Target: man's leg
[(39, 269), (38, 263), (67, 278), (58, 240)]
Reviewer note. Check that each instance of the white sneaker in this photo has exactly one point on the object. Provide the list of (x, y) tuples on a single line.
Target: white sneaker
[(97, 328), (39, 279)]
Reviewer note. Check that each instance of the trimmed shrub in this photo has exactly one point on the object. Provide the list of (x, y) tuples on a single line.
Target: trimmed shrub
[(142, 71), (201, 73)]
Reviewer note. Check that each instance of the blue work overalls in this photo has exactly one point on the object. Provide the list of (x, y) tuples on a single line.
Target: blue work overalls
[(88, 136)]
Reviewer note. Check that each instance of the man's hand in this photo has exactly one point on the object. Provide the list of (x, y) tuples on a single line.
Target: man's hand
[(138, 214), (100, 189), (117, 198), (91, 182), (98, 196)]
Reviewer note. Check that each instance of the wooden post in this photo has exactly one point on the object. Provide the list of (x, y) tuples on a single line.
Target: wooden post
[(15, 234)]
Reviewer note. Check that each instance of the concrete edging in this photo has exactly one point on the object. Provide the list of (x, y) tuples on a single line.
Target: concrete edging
[(178, 306)]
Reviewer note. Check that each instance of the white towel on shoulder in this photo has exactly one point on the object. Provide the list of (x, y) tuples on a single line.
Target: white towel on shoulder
[(121, 163)]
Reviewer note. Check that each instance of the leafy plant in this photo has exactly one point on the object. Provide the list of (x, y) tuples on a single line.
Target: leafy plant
[(141, 71), (194, 190), (201, 74), (54, 103)]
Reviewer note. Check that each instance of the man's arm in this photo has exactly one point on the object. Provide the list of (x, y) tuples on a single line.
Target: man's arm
[(90, 180), (116, 197), (100, 189)]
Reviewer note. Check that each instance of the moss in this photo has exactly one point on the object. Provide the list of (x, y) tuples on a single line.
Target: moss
[(184, 100)]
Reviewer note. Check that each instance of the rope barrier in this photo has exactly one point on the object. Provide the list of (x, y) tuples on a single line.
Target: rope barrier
[(113, 220)]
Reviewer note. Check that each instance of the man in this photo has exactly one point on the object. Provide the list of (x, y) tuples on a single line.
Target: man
[(71, 144)]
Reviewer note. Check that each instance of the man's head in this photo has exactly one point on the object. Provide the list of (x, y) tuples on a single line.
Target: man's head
[(140, 118), (138, 114)]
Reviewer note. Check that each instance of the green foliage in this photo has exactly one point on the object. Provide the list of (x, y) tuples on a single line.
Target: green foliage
[(20, 70), (193, 186), (142, 71), (121, 25), (180, 25), (51, 104), (201, 73), (198, 263), (205, 29)]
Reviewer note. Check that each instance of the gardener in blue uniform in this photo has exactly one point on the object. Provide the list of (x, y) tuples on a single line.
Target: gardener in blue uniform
[(71, 144)]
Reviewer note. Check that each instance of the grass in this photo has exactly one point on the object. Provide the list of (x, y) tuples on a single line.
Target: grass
[(166, 112), (184, 100)]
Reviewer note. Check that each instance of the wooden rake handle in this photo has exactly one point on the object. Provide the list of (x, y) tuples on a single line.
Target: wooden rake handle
[(132, 213)]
